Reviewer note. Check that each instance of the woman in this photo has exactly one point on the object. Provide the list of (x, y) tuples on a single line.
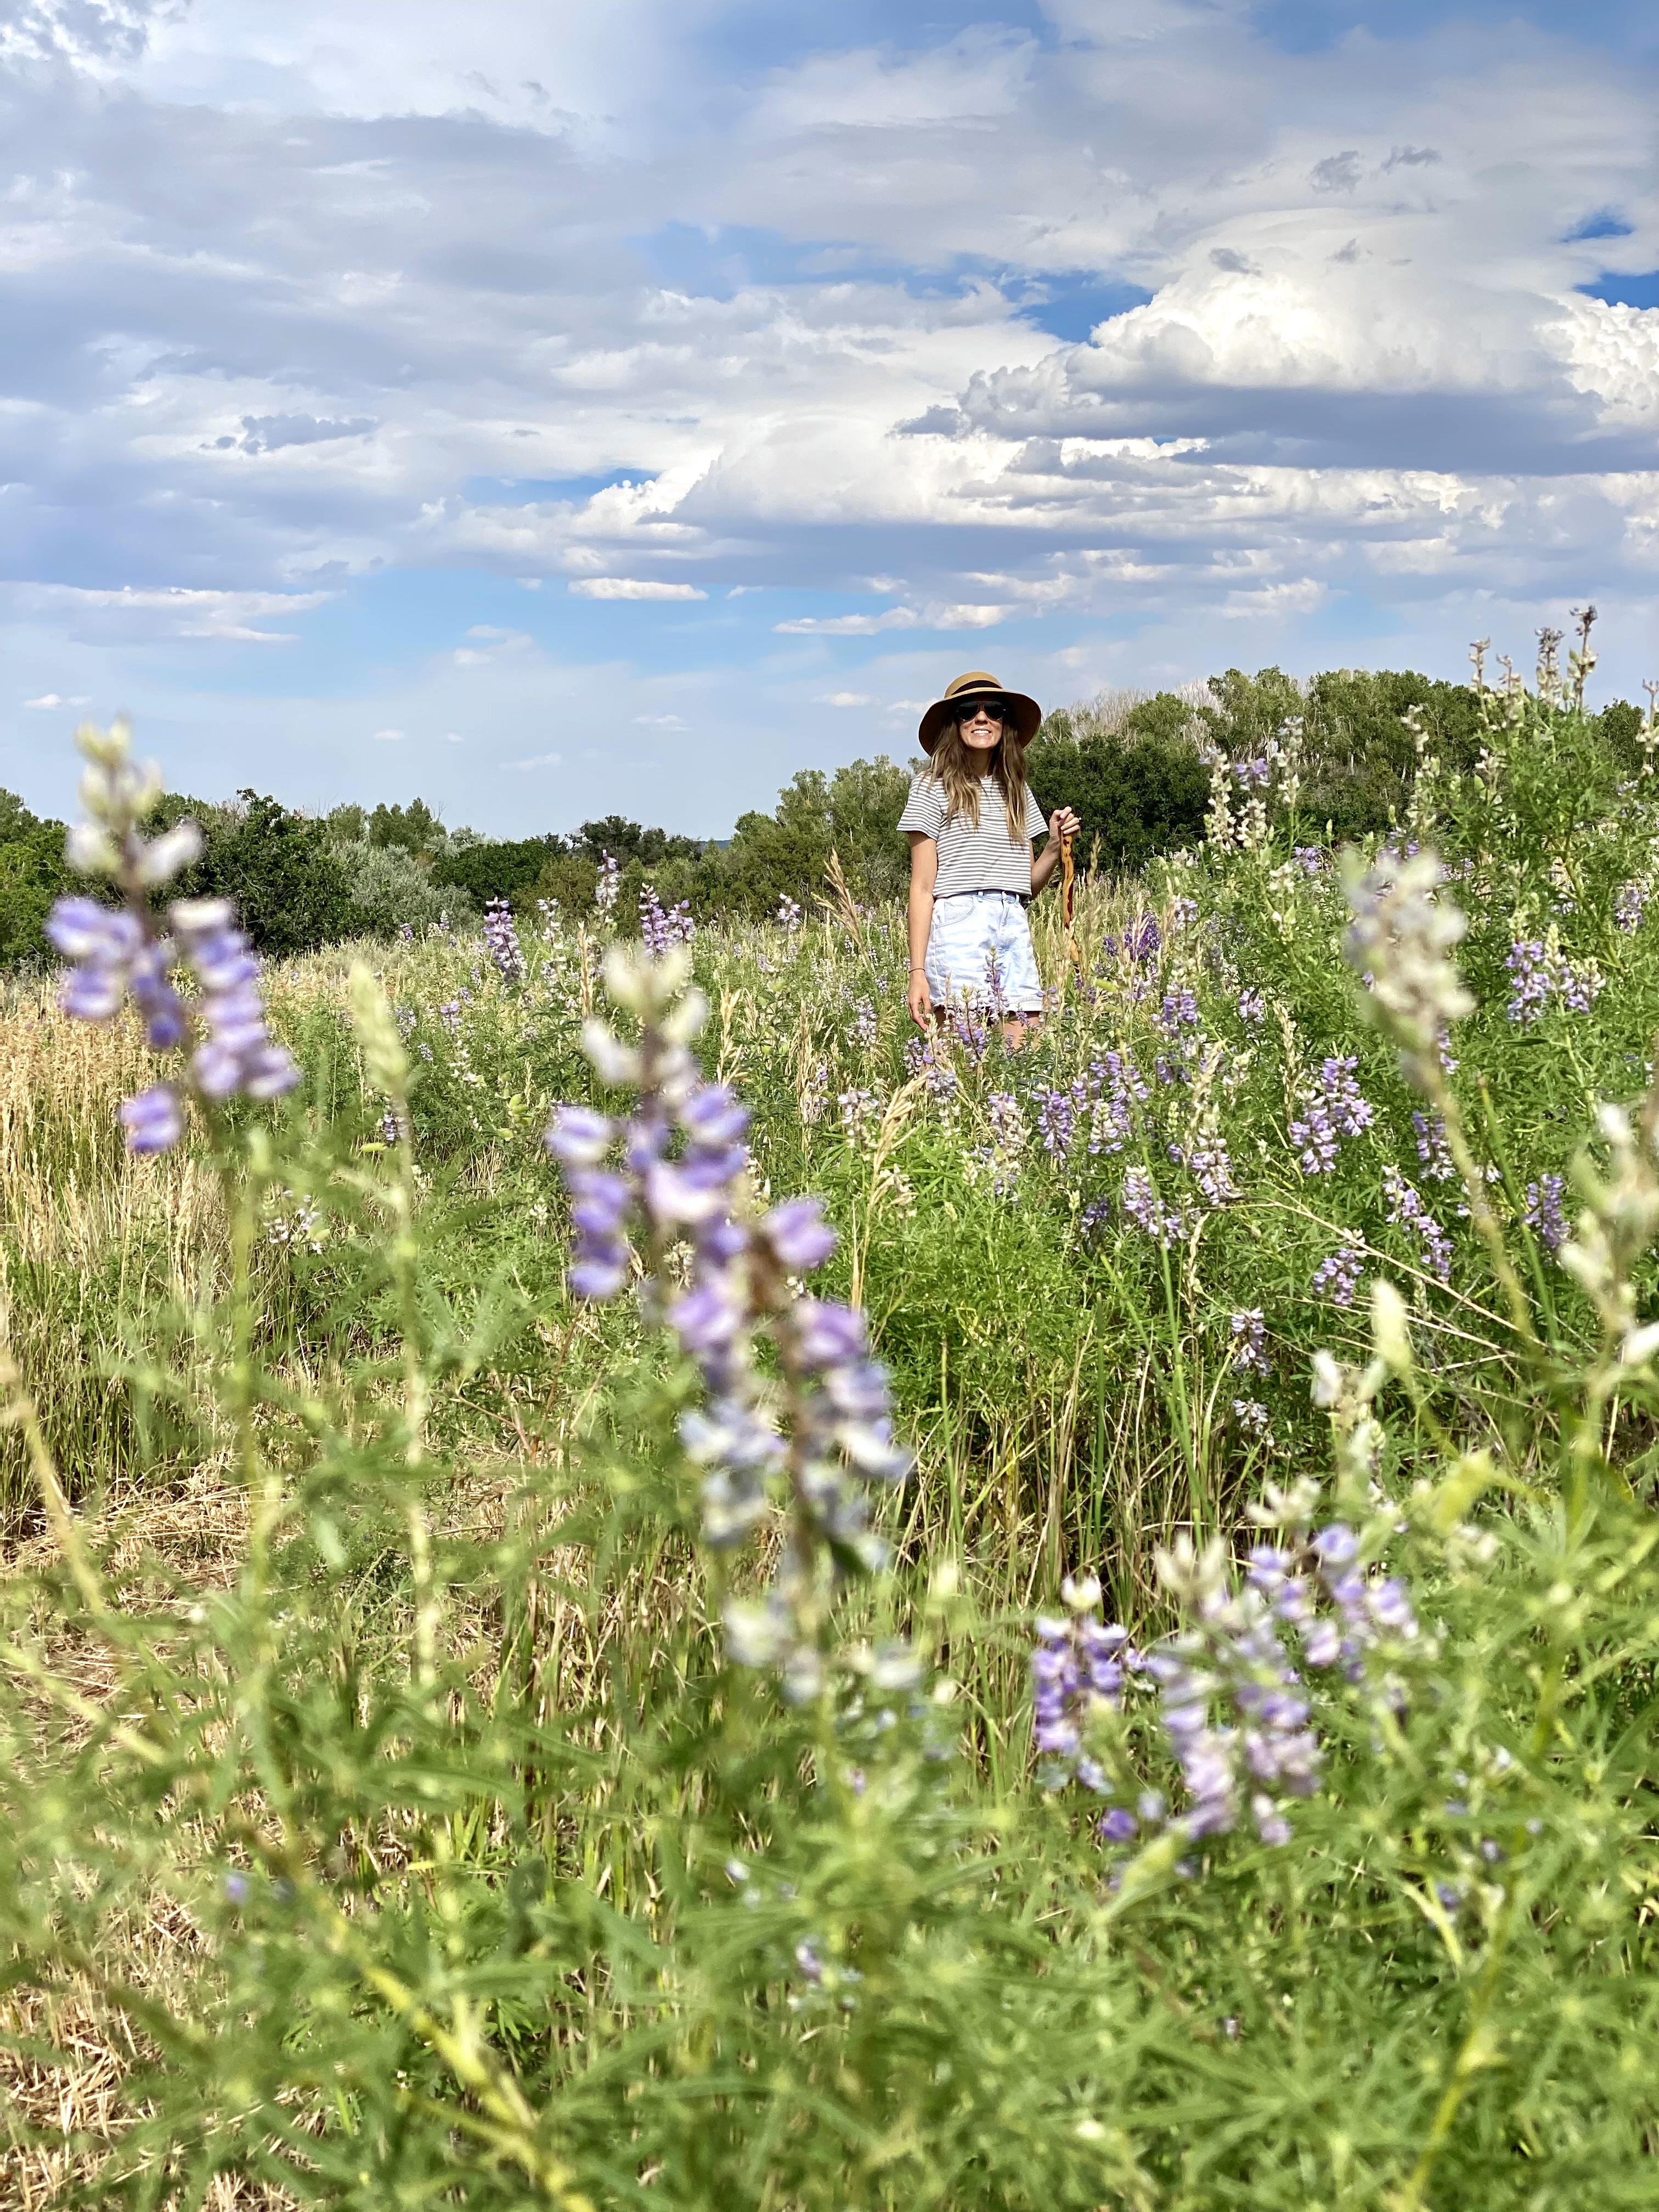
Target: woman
[(971, 817)]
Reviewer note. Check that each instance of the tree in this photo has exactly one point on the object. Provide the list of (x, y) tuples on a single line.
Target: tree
[(1136, 779), (415, 827), (32, 874), (503, 868), (282, 869), (853, 813)]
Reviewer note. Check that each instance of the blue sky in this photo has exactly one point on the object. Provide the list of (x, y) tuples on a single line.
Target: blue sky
[(620, 408)]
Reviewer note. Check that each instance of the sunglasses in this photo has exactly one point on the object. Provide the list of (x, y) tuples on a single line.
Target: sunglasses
[(998, 710)]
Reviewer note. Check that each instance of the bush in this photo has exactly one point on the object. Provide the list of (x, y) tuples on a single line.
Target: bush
[(392, 890)]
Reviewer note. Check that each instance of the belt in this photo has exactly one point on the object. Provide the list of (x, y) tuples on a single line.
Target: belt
[(989, 891)]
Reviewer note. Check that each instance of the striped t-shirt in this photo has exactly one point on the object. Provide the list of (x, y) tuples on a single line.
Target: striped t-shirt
[(970, 859)]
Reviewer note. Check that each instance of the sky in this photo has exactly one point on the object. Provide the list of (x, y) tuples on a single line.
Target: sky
[(619, 406)]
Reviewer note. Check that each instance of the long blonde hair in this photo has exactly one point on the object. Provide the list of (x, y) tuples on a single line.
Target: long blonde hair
[(957, 775)]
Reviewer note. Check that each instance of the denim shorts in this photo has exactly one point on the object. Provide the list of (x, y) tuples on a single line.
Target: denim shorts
[(979, 952)]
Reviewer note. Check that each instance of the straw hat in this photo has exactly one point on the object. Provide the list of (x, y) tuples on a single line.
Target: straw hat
[(961, 691)]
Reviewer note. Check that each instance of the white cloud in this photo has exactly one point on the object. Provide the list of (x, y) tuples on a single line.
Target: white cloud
[(659, 722), (632, 587), (52, 699), (563, 296), (848, 625), (843, 699), (538, 760), (390, 737), (169, 611)]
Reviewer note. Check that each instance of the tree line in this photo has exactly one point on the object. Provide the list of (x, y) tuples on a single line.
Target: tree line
[(1134, 770)]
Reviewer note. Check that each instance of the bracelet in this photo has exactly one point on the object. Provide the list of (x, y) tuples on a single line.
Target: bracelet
[(918, 971)]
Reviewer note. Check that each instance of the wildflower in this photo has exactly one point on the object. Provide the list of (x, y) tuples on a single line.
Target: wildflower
[(659, 928), (1252, 1007), (1406, 1208), (1629, 904), (501, 937), (1530, 983), (864, 1026), (1077, 1664), (1399, 940), (1333, 1110), (121, 951), (237, 1054), (1337, 1277), (1432, 1150), (1140, 942), (1248, 1334), (787, 916), (1147, 1211), (1544, 1213), (682, 1163), (606, 891), (1311, 858), (1178, 1011)]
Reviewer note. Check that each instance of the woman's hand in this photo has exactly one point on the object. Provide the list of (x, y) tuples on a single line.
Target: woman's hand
[(1062, 822), (920, 1000)]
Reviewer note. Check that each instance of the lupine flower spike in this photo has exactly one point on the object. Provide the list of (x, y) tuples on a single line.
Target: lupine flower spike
[(682, 1177), (115, 951)]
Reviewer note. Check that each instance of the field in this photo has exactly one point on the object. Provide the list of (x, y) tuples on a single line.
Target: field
[(437, 1773)]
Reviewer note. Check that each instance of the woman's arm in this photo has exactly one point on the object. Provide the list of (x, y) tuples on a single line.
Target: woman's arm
[(1062, 823), (924, 874)]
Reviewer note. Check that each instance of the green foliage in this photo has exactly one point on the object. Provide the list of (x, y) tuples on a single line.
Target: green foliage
[(415, 828), (508, 868), (31, 875), (392, 889), (1358, 752), (1140, 789), (853, 813)]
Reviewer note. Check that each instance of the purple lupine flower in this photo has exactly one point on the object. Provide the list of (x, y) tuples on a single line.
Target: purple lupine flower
[(1544, 1213), (1530, 982), (1093, 1218), (1337, 1277), (609, 886), (1629, 904), (1432, 1150), (1183, 912), (1077, 1663), (154, 1120), (1140, 942), (1311, 858), (119, 951), (787, 916), (239, 1054), (840, 1440), (1141, 1202), (501, 937), (1248, 1334), (1334, 1111), (1178, 1011), (1252, 1007), (864, 1025), (1407, 1209)]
